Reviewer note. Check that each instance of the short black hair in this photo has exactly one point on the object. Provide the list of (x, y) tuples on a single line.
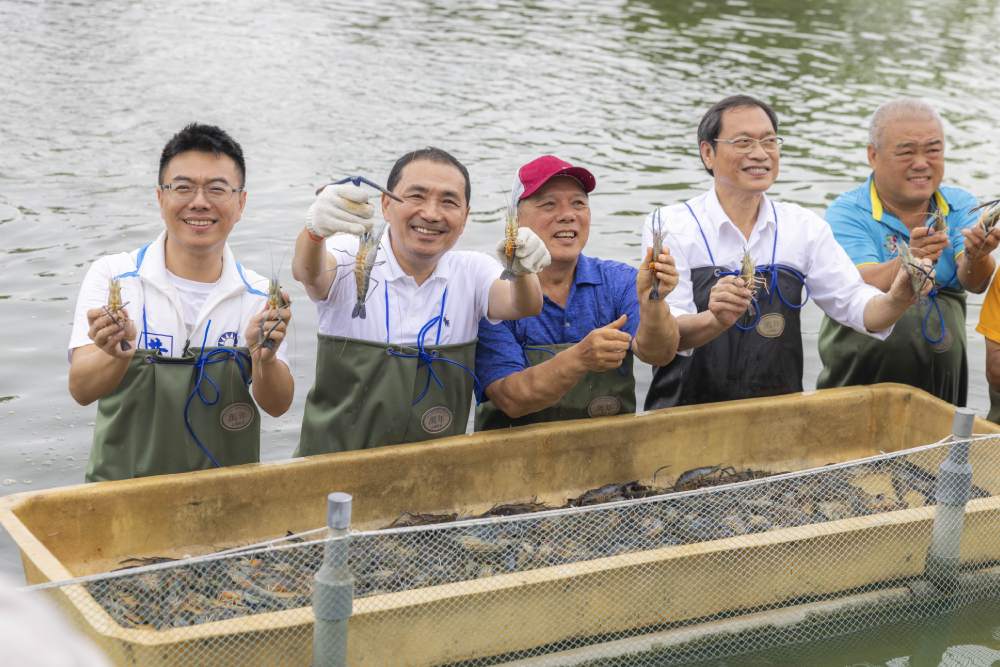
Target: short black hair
[(711, 122), (206, 139), (434, 155)]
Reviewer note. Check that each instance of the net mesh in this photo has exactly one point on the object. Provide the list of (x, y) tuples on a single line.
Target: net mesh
[(668, 579)]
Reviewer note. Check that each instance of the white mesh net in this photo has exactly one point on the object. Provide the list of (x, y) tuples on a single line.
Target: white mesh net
[(654, 579)]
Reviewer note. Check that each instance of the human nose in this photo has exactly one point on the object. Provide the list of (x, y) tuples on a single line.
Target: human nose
[(920, 161), (431, 209), (757, 150), (199, 200)]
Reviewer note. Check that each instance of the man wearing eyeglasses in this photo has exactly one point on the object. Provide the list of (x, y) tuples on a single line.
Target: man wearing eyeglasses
[(903, 202), (747, 263), (171, 362)]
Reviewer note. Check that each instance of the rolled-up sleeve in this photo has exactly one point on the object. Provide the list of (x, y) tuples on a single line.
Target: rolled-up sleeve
[(834, 281)]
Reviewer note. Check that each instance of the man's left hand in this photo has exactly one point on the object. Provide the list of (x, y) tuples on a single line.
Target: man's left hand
[(267, 330), (901, 289), (925, 242), (530, 253), (666, 275), (979, 244)]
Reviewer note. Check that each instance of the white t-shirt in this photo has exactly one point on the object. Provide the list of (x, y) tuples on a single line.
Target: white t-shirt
[(805, 243), (192, 295), (157, 307), (467, 277)]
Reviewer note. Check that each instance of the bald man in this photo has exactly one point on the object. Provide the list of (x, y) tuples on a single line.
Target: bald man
[(903, 201)]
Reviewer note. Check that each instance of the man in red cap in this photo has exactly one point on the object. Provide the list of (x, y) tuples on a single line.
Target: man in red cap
[(574, 359)]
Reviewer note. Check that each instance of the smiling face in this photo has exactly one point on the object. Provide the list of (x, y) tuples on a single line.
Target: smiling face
[(432, 215), (753, 173), (200, 225), (909, 161), (559, 213)]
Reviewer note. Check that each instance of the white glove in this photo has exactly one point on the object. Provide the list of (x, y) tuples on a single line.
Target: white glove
[(340, 208), (530, 253)]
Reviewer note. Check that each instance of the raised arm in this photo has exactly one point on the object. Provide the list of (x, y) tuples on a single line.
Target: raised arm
[(657, 337), (522, 296), (272, 385), (341, 208)]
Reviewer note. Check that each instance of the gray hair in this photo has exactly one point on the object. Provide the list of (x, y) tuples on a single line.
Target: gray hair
[(893, 109)]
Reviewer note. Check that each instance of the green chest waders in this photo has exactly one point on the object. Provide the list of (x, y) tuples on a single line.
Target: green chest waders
[(595, 395), (369, 394), (143, 427), (760, 355), (917, 352)]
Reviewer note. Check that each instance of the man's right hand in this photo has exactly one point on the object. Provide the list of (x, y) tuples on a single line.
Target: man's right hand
[(729, 300), (605, 348), (926, 243), (340, 208), (108, 335)]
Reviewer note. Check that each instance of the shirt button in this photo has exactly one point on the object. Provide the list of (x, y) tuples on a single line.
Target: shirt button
[(566, 324)]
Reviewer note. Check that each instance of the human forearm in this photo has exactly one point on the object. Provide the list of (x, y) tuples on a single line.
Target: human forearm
[(537, 387), (309, 266), (974, 273), (880, 275), (273, 386), (883, 310), (658, 335), (696, 330), (93, 374), (514, 299)]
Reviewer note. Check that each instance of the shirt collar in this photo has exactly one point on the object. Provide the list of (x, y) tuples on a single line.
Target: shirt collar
[(154, 265), (395, 272), (876, 204), (587, 271), (716, 215)]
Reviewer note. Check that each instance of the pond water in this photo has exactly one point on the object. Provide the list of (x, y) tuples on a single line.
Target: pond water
[(92, 92)]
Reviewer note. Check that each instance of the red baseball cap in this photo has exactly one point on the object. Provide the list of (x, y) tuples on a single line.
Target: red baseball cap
[(537, 173)]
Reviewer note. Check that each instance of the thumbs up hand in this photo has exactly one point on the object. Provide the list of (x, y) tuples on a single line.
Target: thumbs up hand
[(604, 348)]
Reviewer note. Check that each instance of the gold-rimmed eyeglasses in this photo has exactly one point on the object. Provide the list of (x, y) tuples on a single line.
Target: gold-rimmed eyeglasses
[(217, 192), (745, 145)]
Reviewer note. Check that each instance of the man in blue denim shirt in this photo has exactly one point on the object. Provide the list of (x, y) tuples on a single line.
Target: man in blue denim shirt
[(573, 360), (903, 202)]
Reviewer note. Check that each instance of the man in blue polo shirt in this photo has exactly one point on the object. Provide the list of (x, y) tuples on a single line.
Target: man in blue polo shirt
[(573, 360), (903, 202)]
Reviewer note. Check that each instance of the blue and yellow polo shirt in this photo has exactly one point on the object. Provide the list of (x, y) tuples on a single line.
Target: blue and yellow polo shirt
[(869, 233)]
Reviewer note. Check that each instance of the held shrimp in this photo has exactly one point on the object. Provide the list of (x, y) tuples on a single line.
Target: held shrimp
[(748, 273), (936, 221), (509, 239), (364, 262), (989, 216), (275, 301), (918, 274), (115, 306), (658, 239)]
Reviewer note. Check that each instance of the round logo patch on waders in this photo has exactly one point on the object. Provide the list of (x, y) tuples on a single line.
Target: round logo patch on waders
[(604, 406), (436, 419), (771, 325), (236, 416)]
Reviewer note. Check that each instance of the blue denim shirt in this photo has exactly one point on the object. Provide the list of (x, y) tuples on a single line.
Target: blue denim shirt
[(602, 291)]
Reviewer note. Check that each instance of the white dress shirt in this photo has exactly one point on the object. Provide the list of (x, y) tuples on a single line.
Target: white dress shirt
[(467, 276), (221, 320), (805, 243)]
